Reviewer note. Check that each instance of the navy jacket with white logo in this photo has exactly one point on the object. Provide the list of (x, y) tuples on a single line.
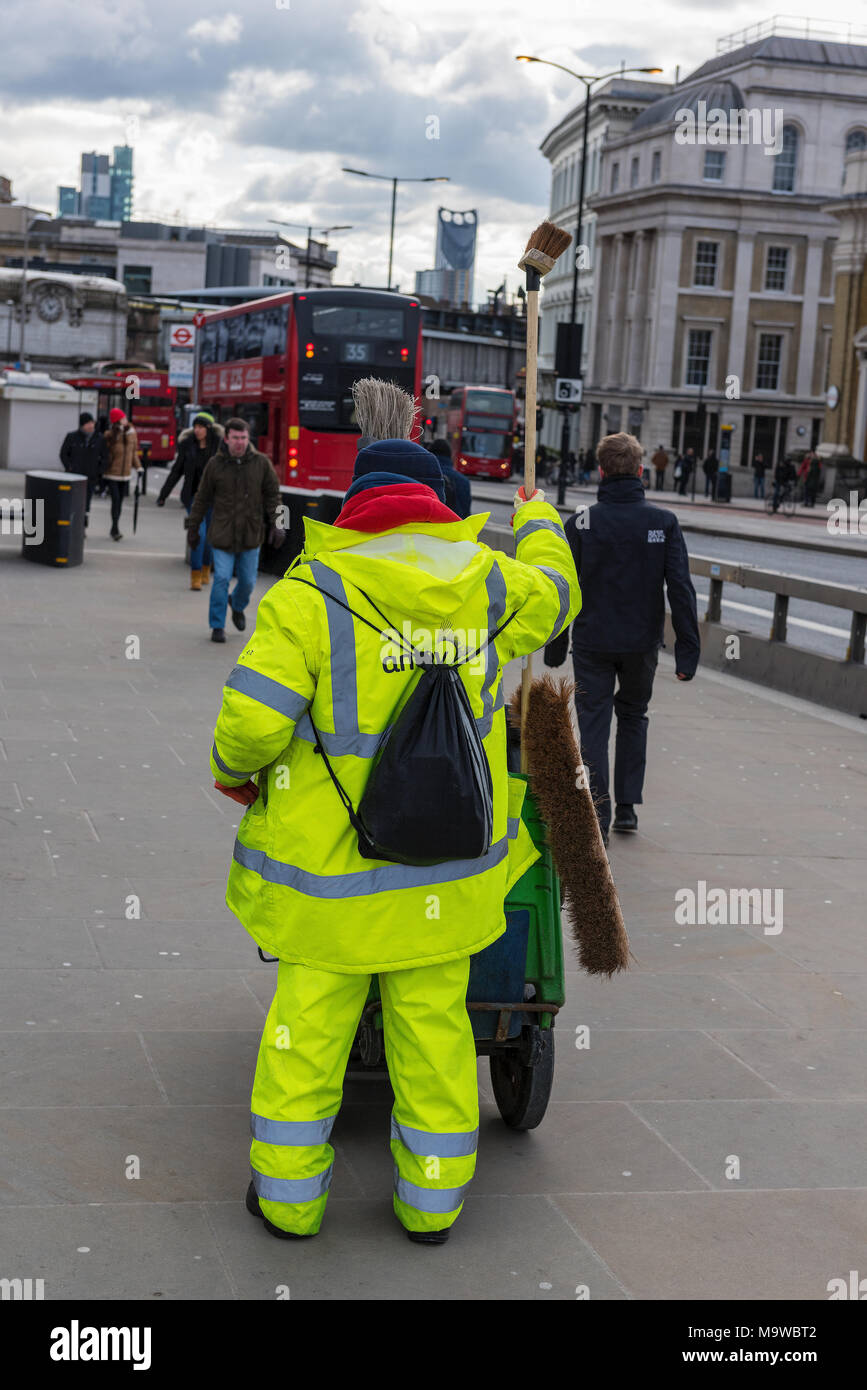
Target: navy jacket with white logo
[(625, 549)]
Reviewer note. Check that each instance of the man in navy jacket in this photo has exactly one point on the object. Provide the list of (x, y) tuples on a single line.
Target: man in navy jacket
[(625, 549)]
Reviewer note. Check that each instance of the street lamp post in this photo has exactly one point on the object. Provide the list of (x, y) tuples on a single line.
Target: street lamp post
[(589, 83), (388, 178), (323, 231)]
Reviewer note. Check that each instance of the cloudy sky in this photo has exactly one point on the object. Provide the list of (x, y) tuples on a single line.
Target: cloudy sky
[(245, 110)]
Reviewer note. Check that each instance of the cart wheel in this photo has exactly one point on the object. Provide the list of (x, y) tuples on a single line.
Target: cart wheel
[(522, 1090)]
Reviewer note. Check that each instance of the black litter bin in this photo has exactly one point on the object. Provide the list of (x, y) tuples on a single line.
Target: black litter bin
[(321, 506), (723, 487), (55, 504)]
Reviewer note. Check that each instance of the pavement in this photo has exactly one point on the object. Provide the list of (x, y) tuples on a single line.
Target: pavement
[(708, 1143)]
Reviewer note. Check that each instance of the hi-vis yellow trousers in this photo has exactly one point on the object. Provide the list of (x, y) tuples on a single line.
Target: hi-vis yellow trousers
[(431, 1060)]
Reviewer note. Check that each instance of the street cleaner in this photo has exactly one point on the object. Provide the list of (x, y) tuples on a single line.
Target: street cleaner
[(350, 859)]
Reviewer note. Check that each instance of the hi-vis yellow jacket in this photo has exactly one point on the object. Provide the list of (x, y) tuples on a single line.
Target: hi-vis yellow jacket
[(297, 881)]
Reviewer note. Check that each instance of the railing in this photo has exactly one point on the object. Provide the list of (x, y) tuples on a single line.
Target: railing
[(784, 587), (793, 27)]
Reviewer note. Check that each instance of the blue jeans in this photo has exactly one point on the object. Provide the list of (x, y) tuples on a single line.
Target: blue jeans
[(202, 555), (758, 485), (226, 563)]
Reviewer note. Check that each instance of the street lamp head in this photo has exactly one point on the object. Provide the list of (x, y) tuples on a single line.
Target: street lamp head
[(524, 58), (650, 69)]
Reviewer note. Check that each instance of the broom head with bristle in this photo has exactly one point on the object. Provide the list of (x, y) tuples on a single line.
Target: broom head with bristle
[(545, 247), (559, 786), (383, 410)]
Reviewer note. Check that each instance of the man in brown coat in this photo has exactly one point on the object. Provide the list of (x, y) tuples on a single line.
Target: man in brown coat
[(122, 445), (660, 463), (240, 488)]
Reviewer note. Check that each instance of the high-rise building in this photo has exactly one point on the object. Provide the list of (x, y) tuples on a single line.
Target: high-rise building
[(451, 280), (105, 188)]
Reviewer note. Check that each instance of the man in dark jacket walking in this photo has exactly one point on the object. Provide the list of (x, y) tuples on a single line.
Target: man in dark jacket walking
[(240, 488), (625, 550), (459, 494), (84, 451)]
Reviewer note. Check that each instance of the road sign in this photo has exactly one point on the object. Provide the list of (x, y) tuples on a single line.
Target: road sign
[(569, 390), (181, 368), (832, 397), (199, 318), (181, 336)]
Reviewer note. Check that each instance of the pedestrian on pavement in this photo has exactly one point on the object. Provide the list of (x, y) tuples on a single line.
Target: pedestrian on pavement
[(582, 466), (627, 551), (686, 464), (660, 463), (711, 469), (240, 489), (784, 478), (813, 480), (459, 494), (195, 447), (316, 686), (83, 451), (760, 468), (590, 462), (122, 468)]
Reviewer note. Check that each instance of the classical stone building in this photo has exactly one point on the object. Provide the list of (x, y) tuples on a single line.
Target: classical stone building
[(69, 320), (713, 286), (846, 409)]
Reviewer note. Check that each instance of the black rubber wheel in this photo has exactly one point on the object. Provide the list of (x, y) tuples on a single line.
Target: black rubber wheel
[(522, 1092)]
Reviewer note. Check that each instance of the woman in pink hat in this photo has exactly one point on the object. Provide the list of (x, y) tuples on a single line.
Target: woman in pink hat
[(122, 444)]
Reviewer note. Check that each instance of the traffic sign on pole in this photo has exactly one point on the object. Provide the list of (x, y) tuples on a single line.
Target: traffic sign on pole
[(569, 390)]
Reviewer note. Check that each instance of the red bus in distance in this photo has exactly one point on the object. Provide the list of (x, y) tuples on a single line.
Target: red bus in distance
[(286, 365), (152, 414), (480, 427)]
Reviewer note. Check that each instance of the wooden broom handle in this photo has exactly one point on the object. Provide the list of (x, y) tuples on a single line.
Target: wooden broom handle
[(529, 464)]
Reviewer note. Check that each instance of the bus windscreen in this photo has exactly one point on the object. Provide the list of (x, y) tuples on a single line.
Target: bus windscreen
[(347, 321)]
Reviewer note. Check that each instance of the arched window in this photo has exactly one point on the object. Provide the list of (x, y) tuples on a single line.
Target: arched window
[(856, 140), (786, 162)]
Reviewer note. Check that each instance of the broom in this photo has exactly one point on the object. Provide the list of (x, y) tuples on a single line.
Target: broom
[(549, 751), (382, 410)]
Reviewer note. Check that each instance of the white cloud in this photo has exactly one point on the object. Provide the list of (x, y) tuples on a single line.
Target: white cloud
[(222, 31)]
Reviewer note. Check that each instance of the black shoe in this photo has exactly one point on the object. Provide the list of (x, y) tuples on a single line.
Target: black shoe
[(430, 1237), (218, 634), (251, 1202), (625, 818), (116, 536), (239, 620)]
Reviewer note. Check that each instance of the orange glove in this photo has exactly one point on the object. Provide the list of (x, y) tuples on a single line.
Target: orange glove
[(245, 796), (520, 497)]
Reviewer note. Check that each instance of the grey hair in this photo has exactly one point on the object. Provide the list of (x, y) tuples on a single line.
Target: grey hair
[(383, 410)]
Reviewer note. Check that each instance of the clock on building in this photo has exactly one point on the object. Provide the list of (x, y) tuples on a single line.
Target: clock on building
[(49, 305)]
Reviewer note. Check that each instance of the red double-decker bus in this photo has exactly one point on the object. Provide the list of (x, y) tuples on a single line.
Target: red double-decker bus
[(286, 364), (146, 398), (481, 424)]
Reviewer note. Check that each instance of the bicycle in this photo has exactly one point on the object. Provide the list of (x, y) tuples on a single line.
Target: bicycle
[(781, 500)]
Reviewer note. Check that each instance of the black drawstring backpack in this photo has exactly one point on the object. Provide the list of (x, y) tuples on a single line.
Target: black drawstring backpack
[(429, 798)]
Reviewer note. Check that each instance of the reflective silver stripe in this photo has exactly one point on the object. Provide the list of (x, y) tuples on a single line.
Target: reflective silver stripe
[(485, 722), (513, 825), (355, 745), (435, 1199), (341, 642), (365, 882), (496, 587), (561, 584), (267, 691), (425, 1145), (292, 1189), (298, 1133), (526, 527), (224, 767)]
